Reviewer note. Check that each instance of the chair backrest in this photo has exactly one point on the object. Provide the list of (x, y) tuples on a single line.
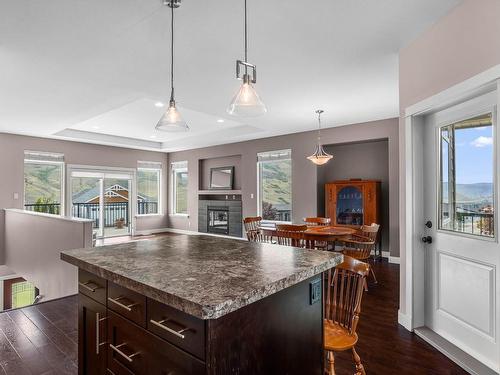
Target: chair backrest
[(256, 235), (344, 291), (291, 235), (370, 231), (317, 221), (251, 224), (359, 247)]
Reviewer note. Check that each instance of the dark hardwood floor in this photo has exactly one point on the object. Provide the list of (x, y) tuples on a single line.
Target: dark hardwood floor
[(384, 346), (42, 339)]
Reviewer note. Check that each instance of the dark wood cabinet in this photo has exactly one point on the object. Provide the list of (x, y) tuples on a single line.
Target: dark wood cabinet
[(353, 202), (91, 336), (279, 334)]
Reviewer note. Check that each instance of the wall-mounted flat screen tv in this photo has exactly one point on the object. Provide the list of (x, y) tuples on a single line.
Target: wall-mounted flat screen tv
[(222, 178)]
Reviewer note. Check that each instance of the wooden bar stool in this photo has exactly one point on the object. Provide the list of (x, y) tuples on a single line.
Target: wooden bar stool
[(344, 291)]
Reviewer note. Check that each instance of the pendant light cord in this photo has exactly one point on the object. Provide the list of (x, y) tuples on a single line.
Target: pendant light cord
[(319, 127), (246, 42), (172, 53)]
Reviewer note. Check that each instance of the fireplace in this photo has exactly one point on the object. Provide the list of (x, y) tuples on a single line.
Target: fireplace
[(218, 220), (220, 214)]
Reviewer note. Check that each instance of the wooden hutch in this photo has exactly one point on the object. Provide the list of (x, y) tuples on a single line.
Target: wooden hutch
[(353, 202)]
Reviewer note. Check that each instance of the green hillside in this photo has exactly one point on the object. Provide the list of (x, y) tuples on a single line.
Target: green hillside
[(277, 184)]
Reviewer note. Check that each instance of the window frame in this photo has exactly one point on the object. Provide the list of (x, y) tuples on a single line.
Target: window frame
[(159, 186), (451, 121), (259, 184), (177, 168), (62, 205)]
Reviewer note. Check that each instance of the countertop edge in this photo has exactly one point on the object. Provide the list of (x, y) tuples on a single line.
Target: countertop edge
[(202, 311)]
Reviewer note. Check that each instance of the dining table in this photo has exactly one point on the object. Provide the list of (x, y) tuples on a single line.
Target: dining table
[(316, 233)]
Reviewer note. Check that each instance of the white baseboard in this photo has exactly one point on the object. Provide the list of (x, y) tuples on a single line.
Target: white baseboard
[(394, 260), (405, 320), (146, 232)]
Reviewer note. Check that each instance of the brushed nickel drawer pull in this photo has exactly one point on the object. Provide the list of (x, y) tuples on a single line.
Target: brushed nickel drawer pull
[(86, 286), (98, 342), (162, 325), (127, 357), (126, 307)]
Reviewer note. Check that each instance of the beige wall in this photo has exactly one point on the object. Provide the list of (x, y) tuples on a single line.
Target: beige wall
[(304, 173), (12, 157), (460, 45)]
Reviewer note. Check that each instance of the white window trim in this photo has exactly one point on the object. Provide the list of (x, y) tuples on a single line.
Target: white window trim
[(259, 192), (160, 189), (62, 208), (173, 172)]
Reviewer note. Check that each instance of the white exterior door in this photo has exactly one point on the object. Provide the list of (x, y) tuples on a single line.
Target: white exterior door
[(460, 180)]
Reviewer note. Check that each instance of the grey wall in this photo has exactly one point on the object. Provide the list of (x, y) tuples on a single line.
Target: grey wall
[(304, 173), (36, 257), (365, 160), (206, 164), (12, 158)]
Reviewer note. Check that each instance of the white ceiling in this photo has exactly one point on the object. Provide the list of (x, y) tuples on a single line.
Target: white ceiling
[(93, 70)]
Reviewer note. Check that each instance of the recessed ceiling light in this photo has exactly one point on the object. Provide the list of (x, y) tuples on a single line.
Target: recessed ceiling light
[(152, 136), (220, 120), (159, 104), (95, 127)]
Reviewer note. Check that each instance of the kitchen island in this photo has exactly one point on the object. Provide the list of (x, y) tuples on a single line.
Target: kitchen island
[(192, 304)]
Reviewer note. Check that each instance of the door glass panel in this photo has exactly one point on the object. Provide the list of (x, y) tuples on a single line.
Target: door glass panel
[(466, 188), (116, 207), (350, 206), (85, 196)]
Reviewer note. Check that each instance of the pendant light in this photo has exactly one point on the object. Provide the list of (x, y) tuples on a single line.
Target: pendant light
[(320, 156), (172, 120), (246, 102)]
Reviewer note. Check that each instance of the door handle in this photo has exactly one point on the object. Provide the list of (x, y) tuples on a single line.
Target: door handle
[(427, 239)]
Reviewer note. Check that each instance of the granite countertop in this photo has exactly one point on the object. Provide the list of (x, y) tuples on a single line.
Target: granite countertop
[(204, 276)]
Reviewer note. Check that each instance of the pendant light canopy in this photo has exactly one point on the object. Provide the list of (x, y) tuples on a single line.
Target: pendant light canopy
[(320, 156), (246, 102), (172, 120)]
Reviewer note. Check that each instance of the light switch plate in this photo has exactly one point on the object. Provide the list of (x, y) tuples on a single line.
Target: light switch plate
[(16, 196)]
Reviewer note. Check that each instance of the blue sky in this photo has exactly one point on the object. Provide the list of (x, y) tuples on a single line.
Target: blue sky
[(474, 155)]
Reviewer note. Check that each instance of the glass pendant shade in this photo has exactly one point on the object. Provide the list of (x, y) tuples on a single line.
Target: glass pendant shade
[(172, 120), (246, 102), (320, 156)]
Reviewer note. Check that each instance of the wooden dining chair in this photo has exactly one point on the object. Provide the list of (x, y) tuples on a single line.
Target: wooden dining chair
[(342, 304), (318, 221), (291, 235), (312, 221), (361, 244), (252, 223)]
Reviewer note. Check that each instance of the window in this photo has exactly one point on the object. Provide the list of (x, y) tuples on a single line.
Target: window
[(148, 188), (466, 189), (275, 185), (179, 188), (43, 182)]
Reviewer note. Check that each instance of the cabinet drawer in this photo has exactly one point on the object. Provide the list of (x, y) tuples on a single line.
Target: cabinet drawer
[(181, 329), (133, 350), (130, 304), (92, 286)]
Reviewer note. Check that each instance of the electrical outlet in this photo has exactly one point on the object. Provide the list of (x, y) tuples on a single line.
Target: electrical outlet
[(315, 291), (16, 196), (251, 196)]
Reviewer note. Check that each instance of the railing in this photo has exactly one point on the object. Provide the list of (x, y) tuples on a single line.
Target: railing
[(113, 212), (476, 223), (47, 208)]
